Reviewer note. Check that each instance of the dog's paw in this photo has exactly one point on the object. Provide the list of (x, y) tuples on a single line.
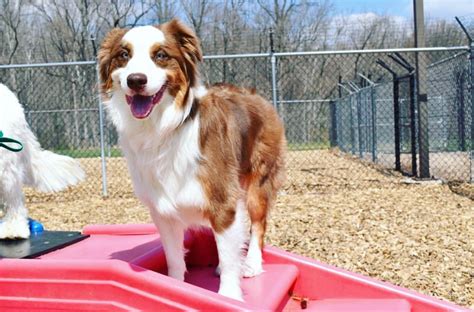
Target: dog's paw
[(252, 267), (253, 264), (14, 229), (233, 292), (177, 274)]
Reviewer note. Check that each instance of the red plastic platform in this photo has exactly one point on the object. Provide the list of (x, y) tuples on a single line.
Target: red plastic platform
[(123, 267)]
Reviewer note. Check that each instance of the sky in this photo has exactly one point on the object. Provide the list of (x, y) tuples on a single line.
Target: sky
[(434, 9)]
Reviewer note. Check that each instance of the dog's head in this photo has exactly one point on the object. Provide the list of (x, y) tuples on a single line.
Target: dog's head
[(148, 65)]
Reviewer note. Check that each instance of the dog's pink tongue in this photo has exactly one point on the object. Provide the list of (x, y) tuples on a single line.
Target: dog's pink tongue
[(141, 106)]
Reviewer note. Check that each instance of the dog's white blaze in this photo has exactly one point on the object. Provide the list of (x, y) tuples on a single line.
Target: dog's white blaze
[(142, 40), (142, 36)]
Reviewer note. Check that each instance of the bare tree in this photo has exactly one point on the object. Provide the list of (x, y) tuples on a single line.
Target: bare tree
[(123, 13), (10, 20), (441, 33), (165, 10), (196, 12), (62, 25), (279, 15)]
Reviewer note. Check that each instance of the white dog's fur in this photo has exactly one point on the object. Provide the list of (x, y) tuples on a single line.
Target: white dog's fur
[(33, 166)]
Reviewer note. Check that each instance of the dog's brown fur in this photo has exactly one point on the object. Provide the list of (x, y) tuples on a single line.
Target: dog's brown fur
[(110, 57), (242, 140)]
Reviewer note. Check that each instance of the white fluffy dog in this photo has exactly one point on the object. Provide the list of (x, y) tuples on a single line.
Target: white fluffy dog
[(33, 166)]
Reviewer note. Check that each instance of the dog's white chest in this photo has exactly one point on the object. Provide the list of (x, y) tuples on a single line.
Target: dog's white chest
[(164, 173)]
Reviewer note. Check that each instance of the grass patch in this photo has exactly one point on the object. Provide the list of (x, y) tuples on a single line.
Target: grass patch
[(307, 146), (89, 153)]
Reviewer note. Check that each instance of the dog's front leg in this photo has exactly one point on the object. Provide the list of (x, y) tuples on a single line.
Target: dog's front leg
[(172, 236), (15, 221), (229, 247)]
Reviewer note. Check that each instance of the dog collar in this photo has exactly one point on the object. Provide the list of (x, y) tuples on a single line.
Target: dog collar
[(10, 141)]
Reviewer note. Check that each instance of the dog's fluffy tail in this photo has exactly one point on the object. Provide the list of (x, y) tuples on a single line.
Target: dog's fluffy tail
[(52, 172), (41, 169)]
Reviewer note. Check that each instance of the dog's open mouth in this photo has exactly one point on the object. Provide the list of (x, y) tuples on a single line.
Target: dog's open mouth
[(142, 105)]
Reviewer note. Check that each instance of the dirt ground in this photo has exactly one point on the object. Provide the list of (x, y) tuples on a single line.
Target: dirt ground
[(333, 209)]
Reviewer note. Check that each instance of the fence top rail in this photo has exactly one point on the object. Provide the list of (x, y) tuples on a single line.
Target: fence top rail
[(257, 55), (374, 51), (329, 52), (305, 101), (448, 59), (233, 56), (54, 64), (47, 111)]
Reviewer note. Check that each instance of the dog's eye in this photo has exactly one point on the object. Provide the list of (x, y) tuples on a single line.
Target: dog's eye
[(161, 55), (124, 55)]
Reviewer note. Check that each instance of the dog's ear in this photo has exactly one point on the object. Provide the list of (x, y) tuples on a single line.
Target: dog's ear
[(109, 47), (188, 43)]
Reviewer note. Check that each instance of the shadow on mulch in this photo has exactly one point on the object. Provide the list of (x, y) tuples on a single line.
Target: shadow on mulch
[(462, 188)]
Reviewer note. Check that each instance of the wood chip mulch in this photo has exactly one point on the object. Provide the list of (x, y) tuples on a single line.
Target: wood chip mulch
[(334, 209)]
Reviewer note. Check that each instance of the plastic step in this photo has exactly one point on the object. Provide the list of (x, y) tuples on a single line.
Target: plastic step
[(267, 291)]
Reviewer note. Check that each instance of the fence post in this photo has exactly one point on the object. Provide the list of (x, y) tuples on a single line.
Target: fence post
[(352, 125), (359, 123), (274, 70), (374, 123), (471, 58), (461, 113), (101, 130), (396, 122), (333, 124), (274, 81), (422, 97), (414, 166)]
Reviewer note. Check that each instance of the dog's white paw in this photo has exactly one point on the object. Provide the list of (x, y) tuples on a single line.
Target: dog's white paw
[(252, 267), (253, 262), (176, 274), (14, 229), (231, 291)]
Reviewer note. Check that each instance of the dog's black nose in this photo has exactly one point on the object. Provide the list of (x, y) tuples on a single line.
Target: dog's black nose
[(137, 81)]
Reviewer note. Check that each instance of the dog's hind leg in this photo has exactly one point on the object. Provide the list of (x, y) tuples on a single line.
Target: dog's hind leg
[(258, 202), (15, 221), (262, 185)]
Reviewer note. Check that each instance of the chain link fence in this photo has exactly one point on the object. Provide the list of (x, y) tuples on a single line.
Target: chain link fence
[(380, 122), (356, 103), (60, 103)]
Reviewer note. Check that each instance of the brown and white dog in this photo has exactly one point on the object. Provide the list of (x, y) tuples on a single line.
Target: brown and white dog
[(197, 156)]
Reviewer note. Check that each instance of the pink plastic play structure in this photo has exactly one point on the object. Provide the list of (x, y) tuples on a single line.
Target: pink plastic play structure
[(123, 267)]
